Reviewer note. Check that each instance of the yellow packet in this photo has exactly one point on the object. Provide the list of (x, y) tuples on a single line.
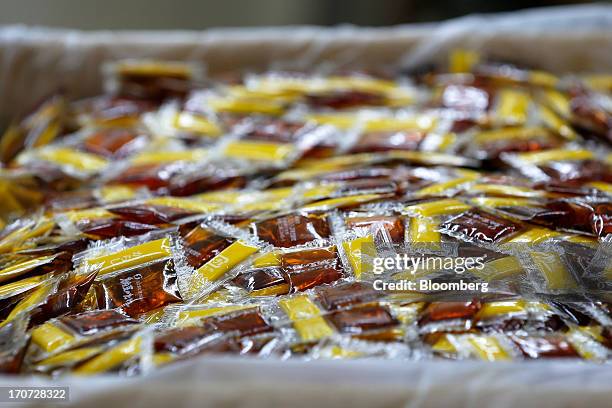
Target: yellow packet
[(259, 151), (306, 318), (129, 257), (74, 162), (112, 358), (217, 268), (437, 208)]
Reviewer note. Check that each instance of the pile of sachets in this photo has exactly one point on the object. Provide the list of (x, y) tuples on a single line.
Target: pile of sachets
[(461, 213)]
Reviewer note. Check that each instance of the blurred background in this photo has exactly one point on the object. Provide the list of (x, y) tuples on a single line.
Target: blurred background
[(201, 14)]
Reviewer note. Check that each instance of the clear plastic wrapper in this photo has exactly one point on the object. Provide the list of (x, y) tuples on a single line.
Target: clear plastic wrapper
[(170, 218)]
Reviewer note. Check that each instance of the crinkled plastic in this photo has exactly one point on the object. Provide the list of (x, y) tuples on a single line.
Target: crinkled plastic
[(392, 184)]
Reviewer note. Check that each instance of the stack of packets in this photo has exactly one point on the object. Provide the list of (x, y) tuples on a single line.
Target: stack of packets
[(283, 215)]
